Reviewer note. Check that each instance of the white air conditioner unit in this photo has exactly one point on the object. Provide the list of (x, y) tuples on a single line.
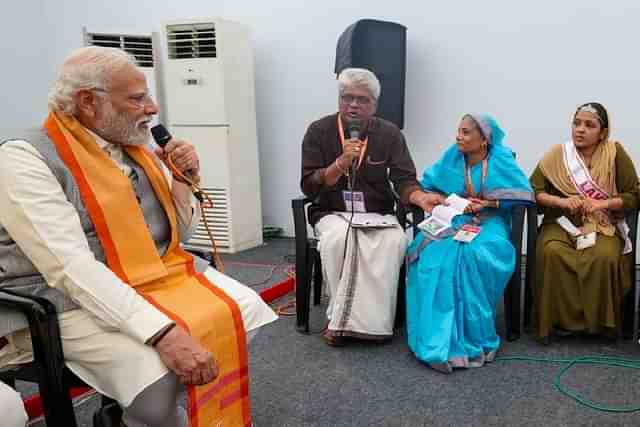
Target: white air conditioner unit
[(145, 48), (209, 89)]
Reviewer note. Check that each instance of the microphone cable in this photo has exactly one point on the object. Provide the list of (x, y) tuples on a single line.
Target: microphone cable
[(201, 196), (351, 183), (569, 363)]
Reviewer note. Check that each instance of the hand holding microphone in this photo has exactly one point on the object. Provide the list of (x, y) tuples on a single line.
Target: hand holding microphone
[(179, 156), (183, 154), (351, 152), (353, 146)]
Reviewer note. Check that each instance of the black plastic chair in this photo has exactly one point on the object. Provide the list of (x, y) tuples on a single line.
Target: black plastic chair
[(309, 266), (513, 291), (47, 370), (630, 309)]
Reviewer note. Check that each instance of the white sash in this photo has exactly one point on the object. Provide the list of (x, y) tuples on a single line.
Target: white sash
[(587, 187)]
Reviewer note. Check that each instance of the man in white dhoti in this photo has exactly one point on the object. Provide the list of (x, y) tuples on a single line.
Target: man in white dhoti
[(89, 221), (349, 162)]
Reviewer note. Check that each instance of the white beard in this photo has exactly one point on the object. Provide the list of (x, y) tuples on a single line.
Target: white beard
[(117, 128)]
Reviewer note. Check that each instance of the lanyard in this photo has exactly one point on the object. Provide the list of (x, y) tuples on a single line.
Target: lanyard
[(364, 145), (467, 178)]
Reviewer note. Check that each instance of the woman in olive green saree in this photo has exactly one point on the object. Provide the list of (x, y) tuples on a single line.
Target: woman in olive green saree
[(582, 273)]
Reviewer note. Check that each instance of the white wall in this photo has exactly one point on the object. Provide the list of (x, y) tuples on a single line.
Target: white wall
[(23, 88), (529, 63)]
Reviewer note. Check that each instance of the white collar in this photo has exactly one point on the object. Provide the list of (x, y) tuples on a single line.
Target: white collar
[(102, 143)]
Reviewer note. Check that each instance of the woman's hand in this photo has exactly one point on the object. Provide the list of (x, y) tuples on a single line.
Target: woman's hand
[(573, 204), (593, 205), (476, 205)]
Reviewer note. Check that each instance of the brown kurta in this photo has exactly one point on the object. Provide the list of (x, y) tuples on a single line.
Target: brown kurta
[(387, 160), (581, 290)]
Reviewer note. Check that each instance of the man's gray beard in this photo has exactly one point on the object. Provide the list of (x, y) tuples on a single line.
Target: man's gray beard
[(116, 128), (140, 140)]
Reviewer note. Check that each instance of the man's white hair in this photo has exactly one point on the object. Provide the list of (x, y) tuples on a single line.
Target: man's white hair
[(86, 68), (350, 77)]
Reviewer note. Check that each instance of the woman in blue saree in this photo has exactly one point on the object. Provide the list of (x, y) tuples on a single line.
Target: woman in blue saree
[(453, 286)]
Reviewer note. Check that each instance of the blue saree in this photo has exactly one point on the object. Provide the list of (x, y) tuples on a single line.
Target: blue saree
[(453, 287)]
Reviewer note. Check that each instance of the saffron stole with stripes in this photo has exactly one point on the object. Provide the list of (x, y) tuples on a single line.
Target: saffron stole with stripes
[(170, 281)]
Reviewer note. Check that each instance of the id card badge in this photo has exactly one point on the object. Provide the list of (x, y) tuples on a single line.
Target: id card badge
[(467, 233), (586, 241), (354, 200)]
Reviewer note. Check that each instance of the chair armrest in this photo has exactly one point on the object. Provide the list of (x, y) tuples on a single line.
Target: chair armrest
[(517, 226), (11, 320), (42, 318), (631, 216), (30, 306), (402, 215), (532, 227), (530, 269), (300, 217)]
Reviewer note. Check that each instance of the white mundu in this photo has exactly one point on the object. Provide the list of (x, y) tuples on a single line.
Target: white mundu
[(362, 285), (11, 407)]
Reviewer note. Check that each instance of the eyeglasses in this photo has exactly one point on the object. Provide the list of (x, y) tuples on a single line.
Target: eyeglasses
[(140, 100), (360, 100)]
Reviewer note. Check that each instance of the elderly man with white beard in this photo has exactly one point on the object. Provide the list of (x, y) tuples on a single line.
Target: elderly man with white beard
[(89, 220)]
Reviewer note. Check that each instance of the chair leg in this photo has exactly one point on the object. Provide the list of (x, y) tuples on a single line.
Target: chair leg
[(108, 415), (307, 286), (106, 400), (303, 282), (54, 391), (317, 278), (528, 303), (512, 307), (636, 301), (630, 314), (401, 304)]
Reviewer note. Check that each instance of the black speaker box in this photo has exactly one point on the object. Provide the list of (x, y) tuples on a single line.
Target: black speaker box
[(380, 47)]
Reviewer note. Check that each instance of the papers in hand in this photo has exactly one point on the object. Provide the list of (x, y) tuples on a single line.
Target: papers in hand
[(568, 226), (441, 215), (369, 220), (583, 241)]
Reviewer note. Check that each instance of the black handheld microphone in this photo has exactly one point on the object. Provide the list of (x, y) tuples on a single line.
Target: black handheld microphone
[(353, 128), (162, 137)]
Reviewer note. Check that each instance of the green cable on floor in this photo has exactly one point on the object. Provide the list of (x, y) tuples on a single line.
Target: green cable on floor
[(584, 360)]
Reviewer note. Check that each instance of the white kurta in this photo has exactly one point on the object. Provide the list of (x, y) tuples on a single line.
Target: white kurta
[(11, 407), (104, 340), (362, 283)]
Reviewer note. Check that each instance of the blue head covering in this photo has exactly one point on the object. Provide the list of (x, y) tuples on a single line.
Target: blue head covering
[(489, 127), (505, 180)]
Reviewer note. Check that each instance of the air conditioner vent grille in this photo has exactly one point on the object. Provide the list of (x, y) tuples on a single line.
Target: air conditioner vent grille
[(217, 218), (140, 47), (190, 41)]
